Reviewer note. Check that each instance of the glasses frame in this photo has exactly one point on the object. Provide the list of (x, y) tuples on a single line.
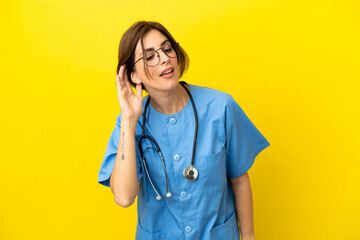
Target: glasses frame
[(158, 55)]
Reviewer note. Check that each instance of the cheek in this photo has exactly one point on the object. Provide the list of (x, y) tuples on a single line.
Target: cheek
[(177, 66), (153, 72)]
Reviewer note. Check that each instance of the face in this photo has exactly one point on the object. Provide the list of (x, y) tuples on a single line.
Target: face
[(154, 39)]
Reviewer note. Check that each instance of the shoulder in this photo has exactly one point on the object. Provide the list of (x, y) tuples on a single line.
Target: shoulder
[(212, 98)]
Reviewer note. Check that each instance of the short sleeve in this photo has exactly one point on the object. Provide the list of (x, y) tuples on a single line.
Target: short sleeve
[(243, 140), (110, 156)]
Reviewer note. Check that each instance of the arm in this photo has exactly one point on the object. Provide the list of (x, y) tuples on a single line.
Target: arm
[(123, 180), (244, 206)]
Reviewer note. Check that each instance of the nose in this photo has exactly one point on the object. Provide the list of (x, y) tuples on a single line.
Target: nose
[(163, 57)]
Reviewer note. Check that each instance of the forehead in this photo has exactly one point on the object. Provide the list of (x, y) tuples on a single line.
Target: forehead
[(152, 39)]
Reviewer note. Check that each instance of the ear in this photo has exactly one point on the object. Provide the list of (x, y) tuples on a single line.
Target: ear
[(134, 78)]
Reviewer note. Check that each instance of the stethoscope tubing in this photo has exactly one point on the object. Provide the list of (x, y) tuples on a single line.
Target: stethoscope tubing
[(196, 121), (168, 194)]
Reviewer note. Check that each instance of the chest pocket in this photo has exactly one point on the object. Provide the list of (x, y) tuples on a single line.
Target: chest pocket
[(214, 172)]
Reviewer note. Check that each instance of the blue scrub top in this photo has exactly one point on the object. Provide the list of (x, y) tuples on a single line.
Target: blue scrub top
[(226, 147)]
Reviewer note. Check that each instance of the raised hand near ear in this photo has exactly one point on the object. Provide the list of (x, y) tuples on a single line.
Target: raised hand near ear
[(131, 105)]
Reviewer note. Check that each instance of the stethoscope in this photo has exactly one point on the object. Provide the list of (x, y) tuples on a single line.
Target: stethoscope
[(190, 172)]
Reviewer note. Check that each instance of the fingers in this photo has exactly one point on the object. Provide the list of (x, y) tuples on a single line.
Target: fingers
[(122, 78), (139, 92), (124, 83), (127, 82), (118, 84), (119, 81)]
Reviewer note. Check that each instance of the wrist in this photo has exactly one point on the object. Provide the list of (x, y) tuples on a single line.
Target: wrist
[(248, 237), (128, 123)]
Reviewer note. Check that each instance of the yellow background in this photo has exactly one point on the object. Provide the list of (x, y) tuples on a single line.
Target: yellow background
[(293, 66)]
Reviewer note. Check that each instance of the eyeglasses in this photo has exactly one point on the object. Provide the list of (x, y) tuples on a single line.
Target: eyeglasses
[(152, 57)]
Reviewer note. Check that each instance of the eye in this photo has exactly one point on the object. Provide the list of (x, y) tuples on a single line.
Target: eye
[(168, 50), (149, 55)]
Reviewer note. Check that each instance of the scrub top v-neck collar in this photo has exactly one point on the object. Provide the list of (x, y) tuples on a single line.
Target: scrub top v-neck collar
[(163, 116)]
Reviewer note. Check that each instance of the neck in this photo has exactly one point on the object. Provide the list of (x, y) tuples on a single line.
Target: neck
[(170, 102)]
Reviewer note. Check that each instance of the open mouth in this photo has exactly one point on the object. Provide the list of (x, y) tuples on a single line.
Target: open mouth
[(167, 72)]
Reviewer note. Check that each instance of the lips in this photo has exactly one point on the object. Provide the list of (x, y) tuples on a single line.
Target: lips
[(167, 69)]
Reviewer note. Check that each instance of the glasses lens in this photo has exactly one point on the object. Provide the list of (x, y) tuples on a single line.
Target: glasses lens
[(152, 57), (169, 51)]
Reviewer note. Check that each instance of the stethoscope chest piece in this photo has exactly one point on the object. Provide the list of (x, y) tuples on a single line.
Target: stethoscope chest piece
[(190, 173)]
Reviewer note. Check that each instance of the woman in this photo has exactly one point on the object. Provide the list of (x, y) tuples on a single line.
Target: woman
[(199, 135)]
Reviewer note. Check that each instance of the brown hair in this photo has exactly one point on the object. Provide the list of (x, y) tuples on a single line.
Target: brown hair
[(130, 39)]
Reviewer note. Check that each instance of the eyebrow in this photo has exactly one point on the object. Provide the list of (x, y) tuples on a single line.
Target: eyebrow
[(167, 40)]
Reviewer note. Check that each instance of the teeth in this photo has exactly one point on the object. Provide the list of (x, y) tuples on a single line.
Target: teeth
[(168, 71)]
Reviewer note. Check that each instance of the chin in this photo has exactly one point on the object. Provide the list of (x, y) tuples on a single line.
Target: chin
[(171, 83)]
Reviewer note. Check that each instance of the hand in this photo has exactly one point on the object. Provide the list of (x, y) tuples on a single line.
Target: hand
[(131, 105)]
